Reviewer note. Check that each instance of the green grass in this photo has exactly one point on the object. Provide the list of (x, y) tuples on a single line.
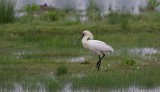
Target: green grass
[(118, 79), (28, 82), (152, 4), (30, 52), (62, 70), (7, 12), (30, 8), (93, 11)]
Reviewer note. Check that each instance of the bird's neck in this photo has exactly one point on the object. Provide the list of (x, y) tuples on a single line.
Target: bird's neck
[(85, 41)]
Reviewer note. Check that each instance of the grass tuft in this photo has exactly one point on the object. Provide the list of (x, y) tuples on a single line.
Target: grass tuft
[(62, 70), (152, 4), (129, 62), (7, 12)]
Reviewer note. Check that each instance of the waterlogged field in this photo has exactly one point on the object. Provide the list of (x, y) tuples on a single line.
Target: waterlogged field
[(40, 56)]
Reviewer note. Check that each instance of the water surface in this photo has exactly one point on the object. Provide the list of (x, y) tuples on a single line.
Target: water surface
[(105, 6)]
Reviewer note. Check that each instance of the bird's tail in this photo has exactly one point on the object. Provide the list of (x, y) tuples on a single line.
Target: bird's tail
[(112, 50)]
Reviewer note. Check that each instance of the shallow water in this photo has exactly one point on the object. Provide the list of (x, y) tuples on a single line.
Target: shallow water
[(105, 5), (79, 59), (17, 87), (68, 88), (144, 53), (40, 87)]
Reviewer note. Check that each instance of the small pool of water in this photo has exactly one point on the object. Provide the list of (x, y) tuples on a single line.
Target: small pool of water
[(79, 59), (144, 53), (69, 88)]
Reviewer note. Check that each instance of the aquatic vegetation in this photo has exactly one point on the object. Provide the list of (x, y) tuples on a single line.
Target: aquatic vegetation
[(152, 4), (62, 70), (7, 12), (93, 11), (19, 81), (52, 15), (118, 79), (33, 52), (123, 19), (31, 8), (129, 62)]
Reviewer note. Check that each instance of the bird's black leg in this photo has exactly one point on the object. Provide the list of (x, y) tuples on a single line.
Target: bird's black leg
[(99, 62), (102, 56)]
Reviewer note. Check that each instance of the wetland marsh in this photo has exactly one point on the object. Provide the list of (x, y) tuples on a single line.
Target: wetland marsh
[(38, 55)]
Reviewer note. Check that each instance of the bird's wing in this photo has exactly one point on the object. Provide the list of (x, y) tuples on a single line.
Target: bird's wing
[(96, 45)]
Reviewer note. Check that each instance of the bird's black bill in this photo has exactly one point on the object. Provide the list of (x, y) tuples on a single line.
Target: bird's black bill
[(79, 39)]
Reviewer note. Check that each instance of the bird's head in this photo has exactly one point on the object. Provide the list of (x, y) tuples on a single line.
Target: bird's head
[(85, 33), (88, 33)]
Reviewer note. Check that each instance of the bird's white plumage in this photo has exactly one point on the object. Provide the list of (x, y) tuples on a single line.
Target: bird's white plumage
[(99, 47), (95, 46)]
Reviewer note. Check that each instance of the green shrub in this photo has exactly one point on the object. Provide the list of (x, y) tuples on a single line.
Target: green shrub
[(152, 4), (124, 24), (117, 18), (122, 19), (7, 12), (31, 7), (129, 62), (93, 6), (62, 70), (93, 11), (52, 15), (113, 18)]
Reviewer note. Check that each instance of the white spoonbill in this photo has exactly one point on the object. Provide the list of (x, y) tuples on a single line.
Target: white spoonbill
[(94, 46)]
